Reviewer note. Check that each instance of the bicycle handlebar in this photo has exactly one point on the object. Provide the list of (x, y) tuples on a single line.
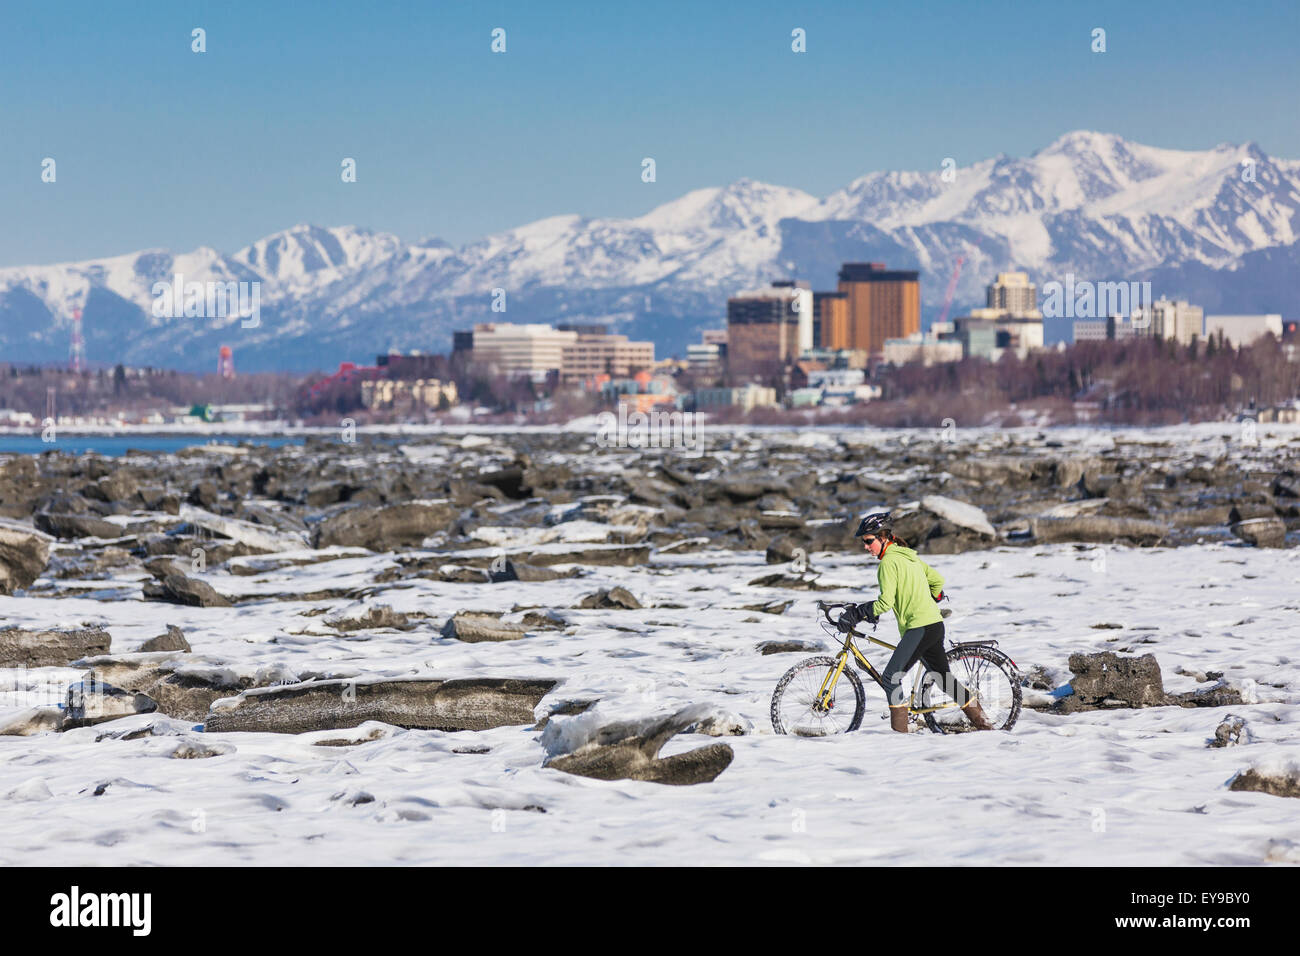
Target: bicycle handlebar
[(827, 606)]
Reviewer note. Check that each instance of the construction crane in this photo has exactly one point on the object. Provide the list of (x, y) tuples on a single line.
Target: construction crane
[(952, 287)]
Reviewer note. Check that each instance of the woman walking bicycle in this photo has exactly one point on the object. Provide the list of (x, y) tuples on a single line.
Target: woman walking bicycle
[(912, 590)]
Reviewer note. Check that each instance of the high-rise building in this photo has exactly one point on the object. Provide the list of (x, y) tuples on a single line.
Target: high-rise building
[(1178, 320), (1012, 306), (1012, 292), (831, 310), (882, 304), (769, 328)]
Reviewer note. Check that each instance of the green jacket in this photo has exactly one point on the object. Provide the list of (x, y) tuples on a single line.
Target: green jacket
[(908, 587)]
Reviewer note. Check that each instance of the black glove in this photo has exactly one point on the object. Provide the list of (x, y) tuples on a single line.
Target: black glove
[(939, 597), (853, 614)]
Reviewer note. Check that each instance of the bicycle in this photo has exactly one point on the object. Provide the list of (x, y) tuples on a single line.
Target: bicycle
[(812, 709)]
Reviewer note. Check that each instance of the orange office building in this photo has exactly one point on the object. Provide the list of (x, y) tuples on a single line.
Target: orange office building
[(882, 304)]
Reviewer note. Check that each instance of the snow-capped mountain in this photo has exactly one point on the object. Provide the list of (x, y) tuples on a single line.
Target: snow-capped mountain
[(1218, 225)]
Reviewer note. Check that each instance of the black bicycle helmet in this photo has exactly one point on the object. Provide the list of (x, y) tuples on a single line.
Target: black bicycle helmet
[(874, 524)]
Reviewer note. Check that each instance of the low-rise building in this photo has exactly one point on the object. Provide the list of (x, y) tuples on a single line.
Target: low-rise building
[(509, 349), (641, 392), (1242, 330), (1283, 412), (393, 393), (745, 397), (597, 352), (1090, 330), (920, 348)]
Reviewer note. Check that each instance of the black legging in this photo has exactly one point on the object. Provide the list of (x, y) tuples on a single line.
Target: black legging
[(926, 645)]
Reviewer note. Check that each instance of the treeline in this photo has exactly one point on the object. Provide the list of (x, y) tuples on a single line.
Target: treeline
[(1128, 382), (106, 391)]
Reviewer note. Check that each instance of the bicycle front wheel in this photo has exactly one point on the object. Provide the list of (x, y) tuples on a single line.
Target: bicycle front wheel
[(795, 707), (987, 673)]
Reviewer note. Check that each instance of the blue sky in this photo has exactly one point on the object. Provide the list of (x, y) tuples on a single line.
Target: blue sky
[(157, 146)]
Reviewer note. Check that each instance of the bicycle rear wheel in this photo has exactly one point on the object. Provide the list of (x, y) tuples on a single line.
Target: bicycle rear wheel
[(793, 702), (987, 673)]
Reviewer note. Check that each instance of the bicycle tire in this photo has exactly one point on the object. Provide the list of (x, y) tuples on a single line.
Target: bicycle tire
[(961, 664), (782, 725)]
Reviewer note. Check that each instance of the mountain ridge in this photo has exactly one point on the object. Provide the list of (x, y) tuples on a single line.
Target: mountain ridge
[(1090, 203)]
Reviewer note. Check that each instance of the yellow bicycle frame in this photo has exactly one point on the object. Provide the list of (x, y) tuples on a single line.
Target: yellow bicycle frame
[(826, 692)]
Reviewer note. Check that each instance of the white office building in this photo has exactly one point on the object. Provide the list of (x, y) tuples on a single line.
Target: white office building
[(1178, 320), (1243, 329)]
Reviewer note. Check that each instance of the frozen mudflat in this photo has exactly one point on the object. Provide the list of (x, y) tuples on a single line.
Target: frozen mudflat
[(1099, 788)]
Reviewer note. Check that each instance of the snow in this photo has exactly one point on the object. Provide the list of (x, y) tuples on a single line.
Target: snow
[(1034, 795)]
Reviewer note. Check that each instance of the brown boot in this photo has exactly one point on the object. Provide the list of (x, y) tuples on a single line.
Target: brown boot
[(975, 715), (898, 718)]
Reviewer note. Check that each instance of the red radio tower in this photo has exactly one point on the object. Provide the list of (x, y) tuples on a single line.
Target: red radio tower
[(78, 351), (226, 362)]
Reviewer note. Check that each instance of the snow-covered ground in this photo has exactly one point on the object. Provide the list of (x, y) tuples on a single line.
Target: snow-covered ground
[(1099, 788)]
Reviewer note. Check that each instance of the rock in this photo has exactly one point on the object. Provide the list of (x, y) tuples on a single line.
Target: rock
[(807, 581), (1230, 733), (509, 481), (790, 647), (381, 615), (565, 708), (1246, 510), (769, 607), (256, 538), (1286, 485), (385, 528), (188, 696), (720, 723), (137, 672), (1220, 695), (1068, 472), (629, 750), (182, 589), (173, 640), (1096, 528), (1267, 532), (609, 555), (959, 513), (198, 750), (447, 705), (527, 572), (1285, 784), (205, 494), (779, 520), (1105, 680), (92, 702), (120, 486), (544, 620), (785, 550), (76, 526), (34, 720), (612, 598), (50, 648), (475, 627), (24, 553)]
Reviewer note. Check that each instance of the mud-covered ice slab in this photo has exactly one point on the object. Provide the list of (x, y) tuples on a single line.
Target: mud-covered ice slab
[(50, 647), (472, 704)]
